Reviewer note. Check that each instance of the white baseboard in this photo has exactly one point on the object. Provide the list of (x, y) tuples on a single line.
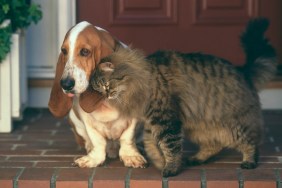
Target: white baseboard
[(271, 99)]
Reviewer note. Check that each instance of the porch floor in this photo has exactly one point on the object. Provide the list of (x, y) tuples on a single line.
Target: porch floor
[(40, 151)]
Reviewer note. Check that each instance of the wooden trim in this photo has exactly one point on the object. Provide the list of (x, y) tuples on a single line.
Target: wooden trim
[(40, 82)]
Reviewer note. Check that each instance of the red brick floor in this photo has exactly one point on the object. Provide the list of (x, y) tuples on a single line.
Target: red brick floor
[(40, 151)]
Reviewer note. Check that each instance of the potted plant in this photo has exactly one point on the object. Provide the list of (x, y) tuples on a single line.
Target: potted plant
[(15, 16)]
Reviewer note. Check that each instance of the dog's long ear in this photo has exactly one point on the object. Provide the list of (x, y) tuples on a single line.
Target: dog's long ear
[(59, 103), (89, 100), (108, 43)]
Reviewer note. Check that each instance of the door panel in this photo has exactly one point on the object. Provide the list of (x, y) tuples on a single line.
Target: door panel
[(209, 26), (140, 12)]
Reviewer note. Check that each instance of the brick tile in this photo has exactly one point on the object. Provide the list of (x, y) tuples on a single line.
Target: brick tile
[(41, 146), (42, 143), (54, 164), (6, 177), (187, 178), (5, 146), (216, 165), (43, 158), (110, 177), (16, 164), (73, 178), (269, 165), (35, 137), (35, 177), (9, 137), (45, 147), (224, 178), (259, 178), (148, 177), (65, 143), (259, 184), (2, 158), (23, 152), (70, 151)]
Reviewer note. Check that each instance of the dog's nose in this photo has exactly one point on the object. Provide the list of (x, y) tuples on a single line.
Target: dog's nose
[(67, 84)]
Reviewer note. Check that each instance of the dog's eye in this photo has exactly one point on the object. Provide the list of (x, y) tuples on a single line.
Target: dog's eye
[(84, 52), (64, 51)]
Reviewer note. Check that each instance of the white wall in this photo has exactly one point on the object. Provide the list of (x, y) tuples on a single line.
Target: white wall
[(271, 98), (43, 43), (44, 39)]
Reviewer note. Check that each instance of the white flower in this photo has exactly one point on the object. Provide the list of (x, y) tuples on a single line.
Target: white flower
[(6, 23)]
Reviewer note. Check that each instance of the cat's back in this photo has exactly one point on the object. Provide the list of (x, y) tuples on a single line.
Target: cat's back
[(199, 66), (198, 72)]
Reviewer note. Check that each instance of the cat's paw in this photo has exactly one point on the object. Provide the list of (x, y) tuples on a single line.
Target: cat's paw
[(171, 169), (135, 161), (248, 165), (87, 162)]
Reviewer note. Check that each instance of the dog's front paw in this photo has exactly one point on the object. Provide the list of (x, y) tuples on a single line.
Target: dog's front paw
[(87, 162), (135, 161)]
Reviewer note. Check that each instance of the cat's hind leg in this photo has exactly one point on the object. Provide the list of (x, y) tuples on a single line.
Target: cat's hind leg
[(205, 152), (249, 136), (152, 149), (169, 139), (250, 156)]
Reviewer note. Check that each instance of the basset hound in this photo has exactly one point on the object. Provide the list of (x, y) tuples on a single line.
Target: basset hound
[(95, 124)]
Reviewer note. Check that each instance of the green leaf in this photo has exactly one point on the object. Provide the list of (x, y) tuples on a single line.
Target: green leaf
[(5, 42), (5, 8)]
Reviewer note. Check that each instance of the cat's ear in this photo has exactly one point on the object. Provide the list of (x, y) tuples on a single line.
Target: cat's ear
[(107, 66)]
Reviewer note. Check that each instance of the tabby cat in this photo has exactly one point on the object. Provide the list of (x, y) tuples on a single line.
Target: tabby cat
[(191, 95)]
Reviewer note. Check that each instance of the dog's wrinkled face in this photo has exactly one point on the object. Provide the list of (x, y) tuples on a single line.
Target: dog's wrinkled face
[(78, 51)]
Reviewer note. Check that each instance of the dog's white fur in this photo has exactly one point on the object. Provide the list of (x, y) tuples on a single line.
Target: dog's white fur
[(104, 123)]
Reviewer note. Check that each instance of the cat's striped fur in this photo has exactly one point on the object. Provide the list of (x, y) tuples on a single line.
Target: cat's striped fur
[(199, 97)]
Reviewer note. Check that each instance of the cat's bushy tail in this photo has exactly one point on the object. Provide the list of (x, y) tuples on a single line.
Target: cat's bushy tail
[(261, 60)]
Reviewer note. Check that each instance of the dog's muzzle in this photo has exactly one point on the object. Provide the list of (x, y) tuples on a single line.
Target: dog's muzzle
[(67, 83)]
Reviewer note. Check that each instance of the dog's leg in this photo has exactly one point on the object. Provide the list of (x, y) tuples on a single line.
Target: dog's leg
[(128, 152), (80, 130), (97, 155)]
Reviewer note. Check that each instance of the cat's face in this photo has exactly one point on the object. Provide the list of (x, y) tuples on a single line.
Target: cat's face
[(107, 83)]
